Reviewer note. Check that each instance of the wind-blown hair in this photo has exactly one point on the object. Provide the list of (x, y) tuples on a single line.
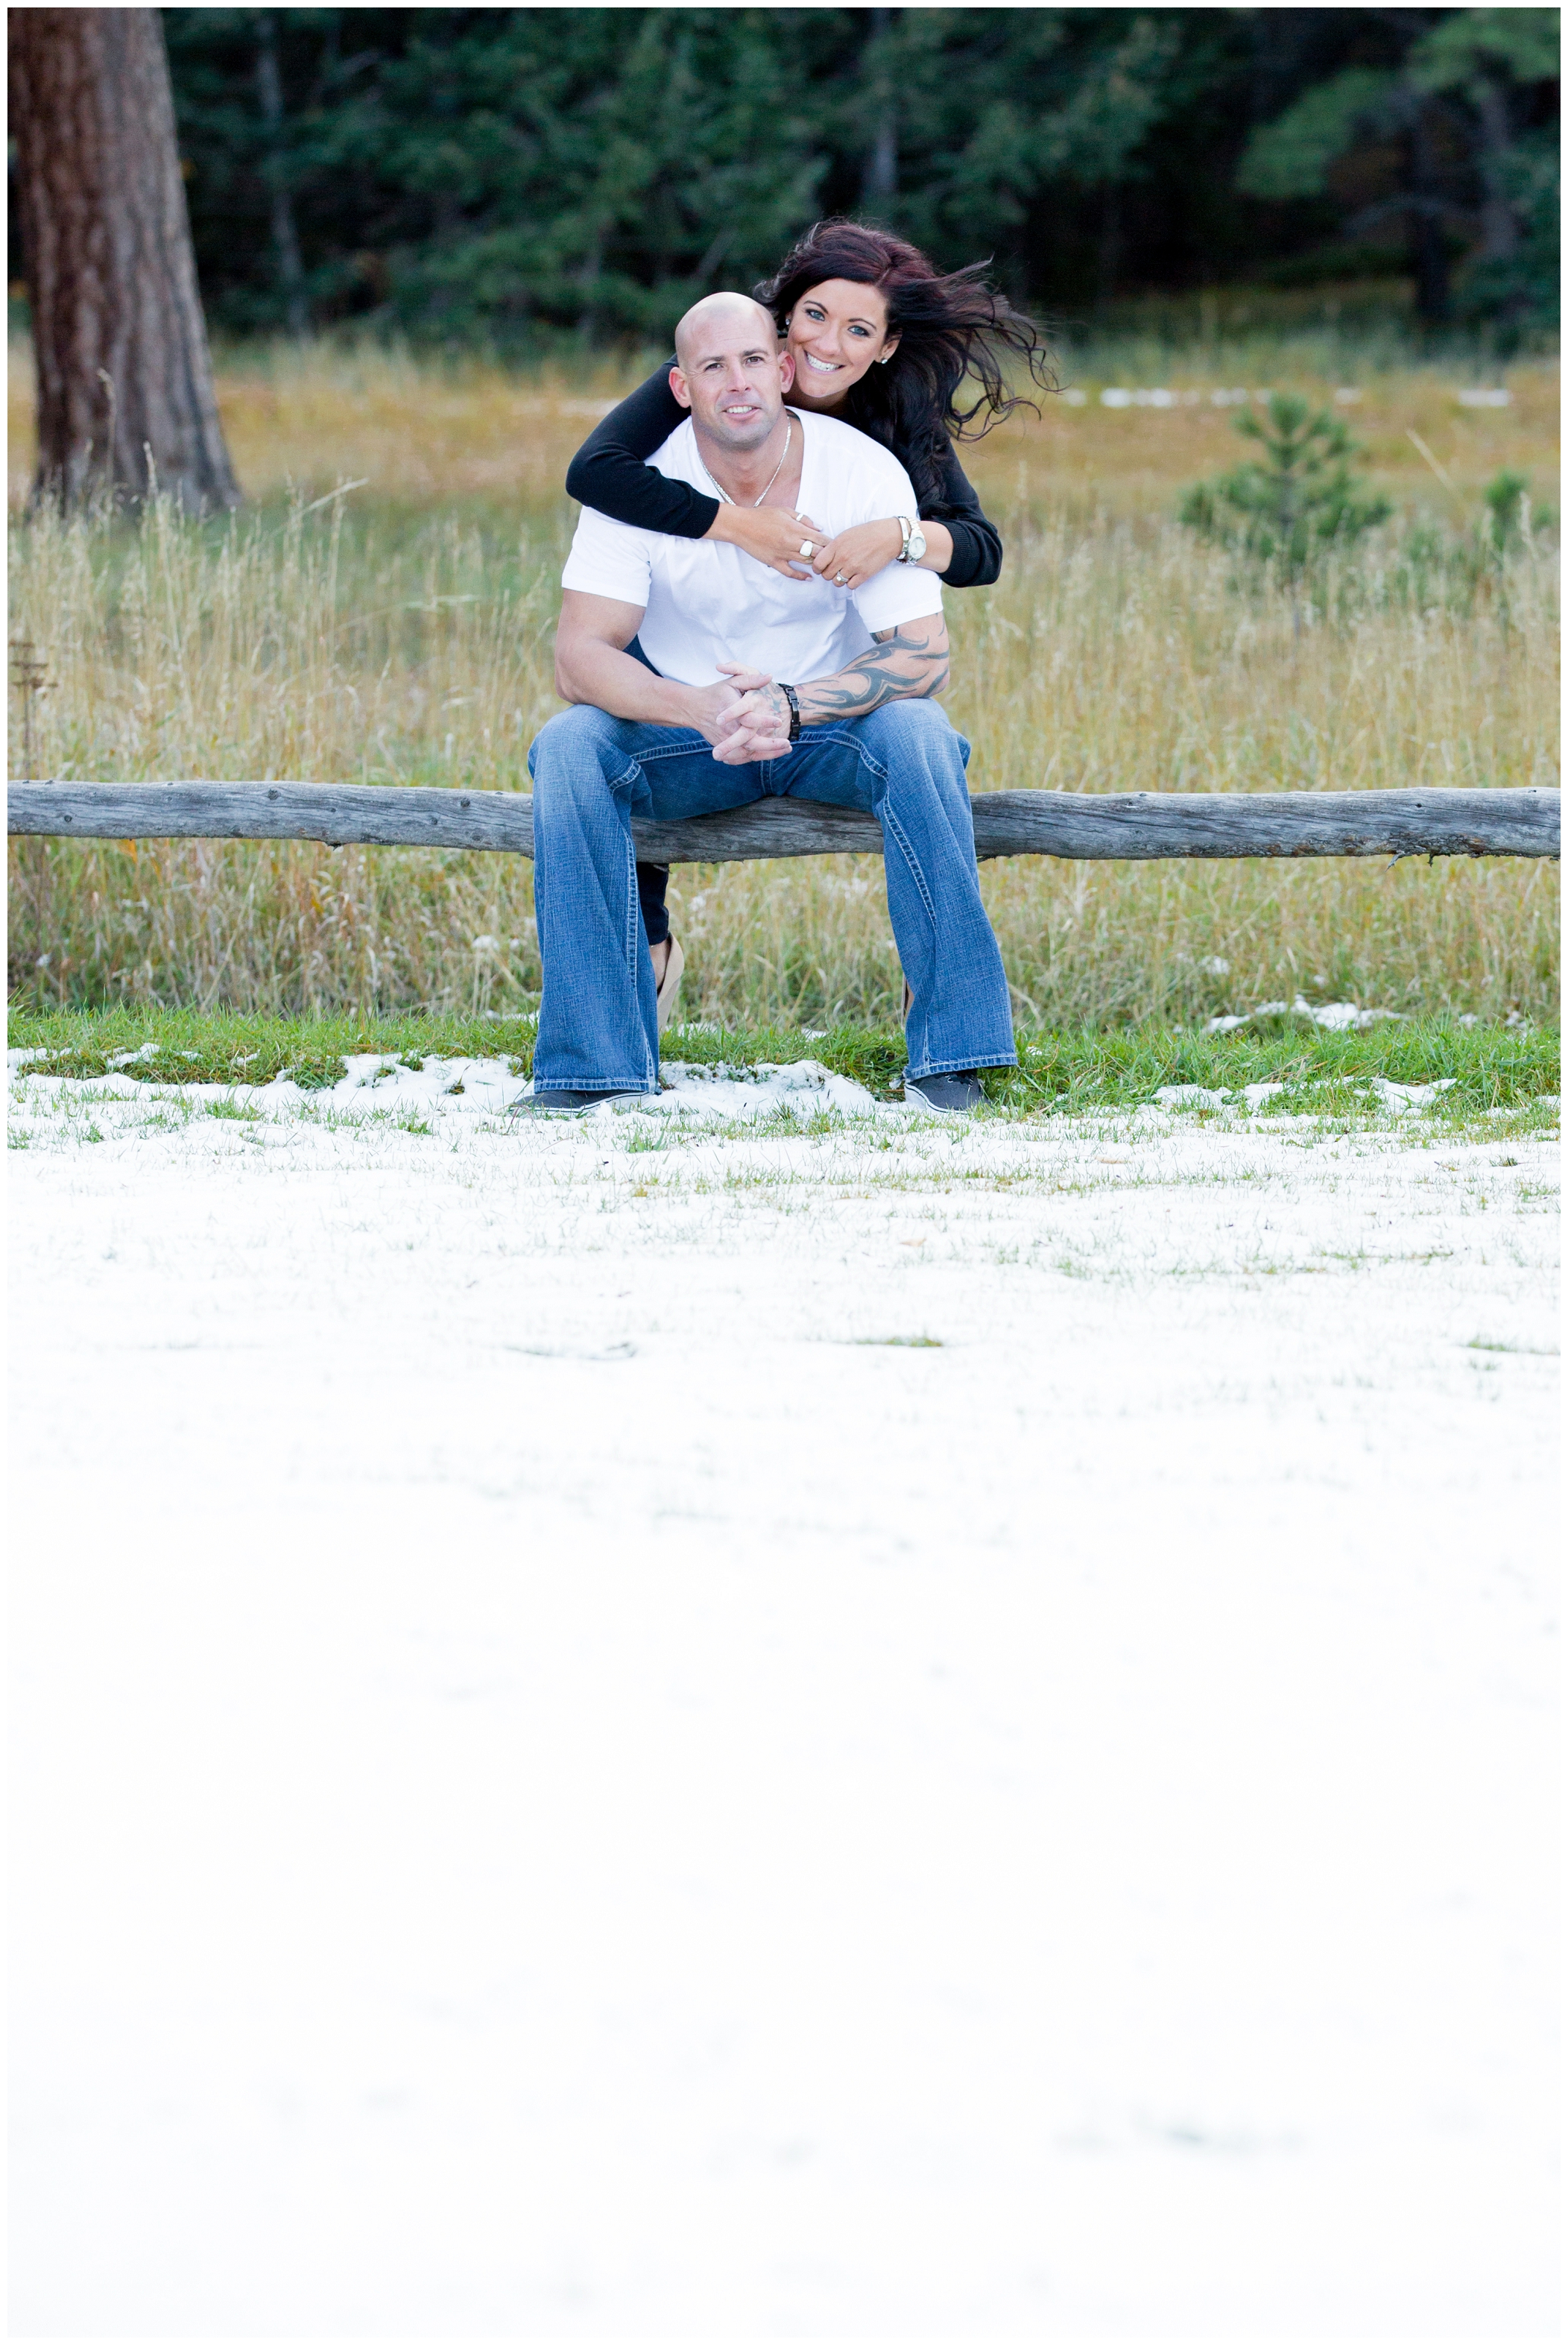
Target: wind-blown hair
[(953, 332)]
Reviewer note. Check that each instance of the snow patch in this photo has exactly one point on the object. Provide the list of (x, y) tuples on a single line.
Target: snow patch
[(378, 1086), (803, 1086), (1400, 1098), (1334, 1017), (1188, 1095)]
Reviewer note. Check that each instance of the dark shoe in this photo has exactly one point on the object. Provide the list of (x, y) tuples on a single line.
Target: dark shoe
[(573, 1102), (944, 1095)]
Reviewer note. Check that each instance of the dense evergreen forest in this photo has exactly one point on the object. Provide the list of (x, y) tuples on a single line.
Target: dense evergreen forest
[(518, 175)]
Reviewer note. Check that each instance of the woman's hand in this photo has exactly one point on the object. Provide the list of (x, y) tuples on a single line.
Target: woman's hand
[(856, 555), (769, 535)]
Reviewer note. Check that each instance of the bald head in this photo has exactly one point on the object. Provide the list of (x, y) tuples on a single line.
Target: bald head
[(730, 372), (722, 321)]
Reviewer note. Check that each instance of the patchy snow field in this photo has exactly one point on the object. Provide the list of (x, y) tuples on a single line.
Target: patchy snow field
[(684, 1726)]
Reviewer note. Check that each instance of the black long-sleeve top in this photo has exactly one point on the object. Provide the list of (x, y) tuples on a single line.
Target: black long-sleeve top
[(610, 472)]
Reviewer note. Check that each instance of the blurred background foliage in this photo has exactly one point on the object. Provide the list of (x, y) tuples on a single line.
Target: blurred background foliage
[(529, 178)]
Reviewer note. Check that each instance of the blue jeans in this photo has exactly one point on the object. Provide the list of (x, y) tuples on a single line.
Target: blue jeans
[(598, 1023)]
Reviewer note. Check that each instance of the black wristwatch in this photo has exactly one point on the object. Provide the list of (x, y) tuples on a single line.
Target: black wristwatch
[(788, 692)]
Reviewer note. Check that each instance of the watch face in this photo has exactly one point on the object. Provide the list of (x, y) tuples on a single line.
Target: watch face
[(917, 544)]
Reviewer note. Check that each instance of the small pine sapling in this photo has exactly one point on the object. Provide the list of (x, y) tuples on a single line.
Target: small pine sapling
[(1514, 517), (1295, 503)]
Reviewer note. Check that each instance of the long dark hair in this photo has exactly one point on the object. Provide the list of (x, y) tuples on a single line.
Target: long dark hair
[(954, 332)]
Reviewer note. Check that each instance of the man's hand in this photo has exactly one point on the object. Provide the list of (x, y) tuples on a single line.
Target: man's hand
[(713, 707), (706, 707), (755, 728), (744, 679)]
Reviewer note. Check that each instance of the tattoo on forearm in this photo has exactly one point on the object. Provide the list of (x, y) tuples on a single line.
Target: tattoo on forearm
[(897, 667)]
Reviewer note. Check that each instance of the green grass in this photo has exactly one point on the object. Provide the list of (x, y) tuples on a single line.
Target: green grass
[(1067, 1072)]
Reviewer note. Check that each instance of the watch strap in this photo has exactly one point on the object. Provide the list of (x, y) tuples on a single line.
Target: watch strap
[(789, 693)]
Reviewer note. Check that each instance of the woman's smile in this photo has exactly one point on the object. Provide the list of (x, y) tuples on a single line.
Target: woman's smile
[(836, 332)]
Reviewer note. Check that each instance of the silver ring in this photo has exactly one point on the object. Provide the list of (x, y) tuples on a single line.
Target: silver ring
[(807, 550), (839, 578)]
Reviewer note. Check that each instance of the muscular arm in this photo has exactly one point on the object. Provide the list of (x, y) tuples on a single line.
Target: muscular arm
[(593, 669), (907, 663)]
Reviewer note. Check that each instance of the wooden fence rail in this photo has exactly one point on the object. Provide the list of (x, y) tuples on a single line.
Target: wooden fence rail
[(1137, 826)]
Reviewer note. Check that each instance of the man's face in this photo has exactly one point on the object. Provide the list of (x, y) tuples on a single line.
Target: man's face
[(734, 377)]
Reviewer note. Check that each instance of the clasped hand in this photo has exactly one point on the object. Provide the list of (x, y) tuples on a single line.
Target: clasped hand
[(746, 719), (757, 725)]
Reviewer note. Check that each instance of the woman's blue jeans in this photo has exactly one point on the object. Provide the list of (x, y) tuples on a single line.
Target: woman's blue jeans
[(598, 1023)]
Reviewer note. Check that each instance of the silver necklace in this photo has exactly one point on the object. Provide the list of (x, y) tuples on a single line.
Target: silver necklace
[(778, 468)]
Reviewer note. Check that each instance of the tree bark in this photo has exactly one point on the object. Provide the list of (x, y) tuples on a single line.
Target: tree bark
[(126, 398)]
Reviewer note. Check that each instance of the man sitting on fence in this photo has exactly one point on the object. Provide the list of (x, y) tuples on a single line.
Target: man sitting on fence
[(698, 725)]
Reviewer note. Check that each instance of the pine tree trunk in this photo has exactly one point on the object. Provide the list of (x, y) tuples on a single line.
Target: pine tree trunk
[(126, 398)]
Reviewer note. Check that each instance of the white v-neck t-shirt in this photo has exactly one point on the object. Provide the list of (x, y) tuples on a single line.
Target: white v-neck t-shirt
[(703, 602)]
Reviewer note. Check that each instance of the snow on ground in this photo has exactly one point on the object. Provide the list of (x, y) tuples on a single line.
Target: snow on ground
[(813, 1727)]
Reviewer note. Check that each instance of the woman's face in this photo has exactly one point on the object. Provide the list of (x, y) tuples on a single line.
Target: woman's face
[(836, 332)]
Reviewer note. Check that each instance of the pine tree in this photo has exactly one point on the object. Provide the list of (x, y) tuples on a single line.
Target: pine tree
[(126, 398), (1298, 501)]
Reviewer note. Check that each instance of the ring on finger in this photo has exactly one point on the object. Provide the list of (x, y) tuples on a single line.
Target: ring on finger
[(807, 549), (839, 578)]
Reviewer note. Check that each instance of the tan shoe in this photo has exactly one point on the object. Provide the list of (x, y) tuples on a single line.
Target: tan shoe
[(670, 984)]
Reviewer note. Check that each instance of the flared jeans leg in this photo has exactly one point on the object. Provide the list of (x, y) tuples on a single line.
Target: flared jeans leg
[(905, 765), (961, 1015), (599, 1018)]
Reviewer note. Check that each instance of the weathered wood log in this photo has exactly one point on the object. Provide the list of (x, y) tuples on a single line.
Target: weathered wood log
[(1134, 827)]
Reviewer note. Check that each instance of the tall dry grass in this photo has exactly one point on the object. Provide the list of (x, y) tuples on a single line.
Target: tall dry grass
[(400, 632)]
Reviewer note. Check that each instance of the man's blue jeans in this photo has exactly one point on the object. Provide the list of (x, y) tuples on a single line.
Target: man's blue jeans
[(598, 1023)]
